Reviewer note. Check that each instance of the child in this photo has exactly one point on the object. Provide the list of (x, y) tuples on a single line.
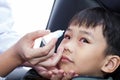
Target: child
[(91, 46)]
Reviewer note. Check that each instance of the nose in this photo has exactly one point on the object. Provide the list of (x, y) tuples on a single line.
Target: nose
[(69, 46)]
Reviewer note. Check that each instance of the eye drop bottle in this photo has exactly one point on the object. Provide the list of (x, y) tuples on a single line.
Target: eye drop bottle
[(45, 39)]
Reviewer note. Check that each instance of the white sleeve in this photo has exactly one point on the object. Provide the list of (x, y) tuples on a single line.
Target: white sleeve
[(7, 36), (6, 20)]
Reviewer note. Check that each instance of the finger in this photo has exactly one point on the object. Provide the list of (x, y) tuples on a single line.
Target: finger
[(53, 60), (27, 64), (46, 74), (57, 74), (58, 56), (55, 77), (37, 34), (43, 71), (39, 68), (69, 75), (57, 71), (32, 36), (41, 59), (42, 51), (48, 55)]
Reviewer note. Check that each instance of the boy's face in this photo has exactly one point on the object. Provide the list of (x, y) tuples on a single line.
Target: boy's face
[(83, 50)]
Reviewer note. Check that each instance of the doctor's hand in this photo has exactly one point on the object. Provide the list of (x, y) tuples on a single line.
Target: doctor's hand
[(24, 51), (24, 47), (46, 67)]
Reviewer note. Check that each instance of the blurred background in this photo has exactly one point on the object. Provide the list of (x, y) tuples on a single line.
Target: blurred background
[(30, 15)]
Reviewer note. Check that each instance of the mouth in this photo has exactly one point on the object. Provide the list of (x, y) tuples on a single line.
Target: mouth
[(66, 59)]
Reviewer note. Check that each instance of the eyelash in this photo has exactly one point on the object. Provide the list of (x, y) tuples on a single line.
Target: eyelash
[(84, 40), (67, 37)]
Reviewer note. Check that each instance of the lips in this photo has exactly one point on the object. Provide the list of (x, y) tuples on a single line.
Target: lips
[(66, 59)]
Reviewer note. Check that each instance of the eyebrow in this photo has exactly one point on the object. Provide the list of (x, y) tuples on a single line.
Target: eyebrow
[(86, 33), (83, 32), (68, 29)]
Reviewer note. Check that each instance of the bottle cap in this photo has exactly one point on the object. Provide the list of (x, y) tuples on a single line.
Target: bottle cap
[(56, 34), (45, 39)]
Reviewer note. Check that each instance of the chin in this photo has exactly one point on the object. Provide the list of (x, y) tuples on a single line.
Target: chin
[(69, 67), (66, 67)]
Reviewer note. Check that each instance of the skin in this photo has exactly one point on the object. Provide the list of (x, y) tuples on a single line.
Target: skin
[(83, 50), (23, 51), (83, 53)]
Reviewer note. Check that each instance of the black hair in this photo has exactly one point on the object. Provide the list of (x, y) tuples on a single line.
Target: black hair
[(91, 18)]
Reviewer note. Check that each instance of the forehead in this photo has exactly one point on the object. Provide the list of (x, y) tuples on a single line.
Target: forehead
[(86, 29), (96, 32)]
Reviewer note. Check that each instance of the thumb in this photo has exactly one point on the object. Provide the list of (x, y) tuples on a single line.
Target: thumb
[(52, 61), (58, 56), (43, 51)]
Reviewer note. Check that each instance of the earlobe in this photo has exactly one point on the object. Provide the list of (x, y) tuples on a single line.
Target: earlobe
[(111, 63)]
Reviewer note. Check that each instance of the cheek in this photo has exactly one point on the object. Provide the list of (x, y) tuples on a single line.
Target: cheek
[(87, 60)]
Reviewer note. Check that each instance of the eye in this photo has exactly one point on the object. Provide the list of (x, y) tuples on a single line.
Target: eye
[(84, 40), (66, 37)]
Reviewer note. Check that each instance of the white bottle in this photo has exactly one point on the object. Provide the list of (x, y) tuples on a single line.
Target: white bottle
[(47, 38)]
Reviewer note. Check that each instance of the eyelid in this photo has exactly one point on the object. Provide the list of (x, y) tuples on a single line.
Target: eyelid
[(84, 39), (67, 33), (67, 36)]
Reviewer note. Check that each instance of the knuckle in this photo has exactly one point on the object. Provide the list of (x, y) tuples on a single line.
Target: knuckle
[(28, 56), (44, 51), (52, 64)]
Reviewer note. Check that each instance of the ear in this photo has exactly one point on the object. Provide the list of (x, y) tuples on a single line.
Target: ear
[(111, 63)]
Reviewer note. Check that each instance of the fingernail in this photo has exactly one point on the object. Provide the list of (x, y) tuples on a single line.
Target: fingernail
[(48, 30)]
